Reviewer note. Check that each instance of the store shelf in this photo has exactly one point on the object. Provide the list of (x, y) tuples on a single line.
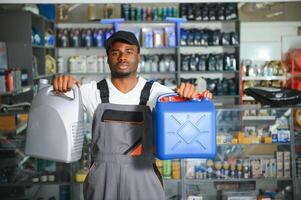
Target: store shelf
[(44, 76), (264, 78), (163, 50), (258, 144), (88, 74), (20, 127), (157, 73), (171, 181), (209, 46), (35, 46), (210, 21), (225, 97), (196, 181), (258, 118), (16, 92), (8, 162), (33, 183), (95, 24), (209, 72)]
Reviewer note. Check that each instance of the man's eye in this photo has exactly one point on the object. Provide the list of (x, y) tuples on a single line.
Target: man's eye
[(129, 52), (114, 53)]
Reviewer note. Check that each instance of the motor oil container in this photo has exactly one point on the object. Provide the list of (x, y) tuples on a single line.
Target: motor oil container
[(184, 129), (55, 127)]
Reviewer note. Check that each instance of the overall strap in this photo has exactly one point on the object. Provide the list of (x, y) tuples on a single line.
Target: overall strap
[(103, 90), (145, 93)]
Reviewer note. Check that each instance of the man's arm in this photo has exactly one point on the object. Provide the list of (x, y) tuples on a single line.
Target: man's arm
[(188, 91), (64, 83)]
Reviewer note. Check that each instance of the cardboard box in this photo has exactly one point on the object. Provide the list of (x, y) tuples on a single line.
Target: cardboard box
[(8, 123)]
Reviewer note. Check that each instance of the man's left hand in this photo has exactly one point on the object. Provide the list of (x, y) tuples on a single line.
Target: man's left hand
[(187, 91)]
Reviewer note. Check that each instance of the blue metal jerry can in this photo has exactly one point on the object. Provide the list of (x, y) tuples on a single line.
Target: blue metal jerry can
[(184, 129)]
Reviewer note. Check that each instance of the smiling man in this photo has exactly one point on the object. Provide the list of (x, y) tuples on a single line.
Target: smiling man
[(123, 164)]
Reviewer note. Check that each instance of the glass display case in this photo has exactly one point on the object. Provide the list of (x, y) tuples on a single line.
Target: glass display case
[(255, 150)]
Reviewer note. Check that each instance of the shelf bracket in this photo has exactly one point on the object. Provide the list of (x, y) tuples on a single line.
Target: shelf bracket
[(178, 22)]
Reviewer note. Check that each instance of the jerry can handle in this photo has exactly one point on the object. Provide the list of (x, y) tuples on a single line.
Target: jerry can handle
[(74, 88), (174, 97)]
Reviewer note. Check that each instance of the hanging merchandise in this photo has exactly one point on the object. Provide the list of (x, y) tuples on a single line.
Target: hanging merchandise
[(50, 65), (194, 123), (61, 138)]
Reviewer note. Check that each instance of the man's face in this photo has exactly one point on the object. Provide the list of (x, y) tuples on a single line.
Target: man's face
[(123, 59)]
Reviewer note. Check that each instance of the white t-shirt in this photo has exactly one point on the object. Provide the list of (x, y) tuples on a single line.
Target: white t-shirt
[(91, 96)]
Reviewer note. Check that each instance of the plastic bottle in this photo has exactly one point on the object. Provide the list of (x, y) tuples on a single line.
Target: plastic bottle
[(9, 81)]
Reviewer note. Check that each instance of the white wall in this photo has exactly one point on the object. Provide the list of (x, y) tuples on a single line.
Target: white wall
[(267, 40)]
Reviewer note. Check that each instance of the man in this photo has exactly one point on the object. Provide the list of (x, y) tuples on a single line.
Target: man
[(122, 142)]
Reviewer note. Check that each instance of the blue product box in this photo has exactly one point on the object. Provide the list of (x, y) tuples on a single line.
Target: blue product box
[(185, 129)]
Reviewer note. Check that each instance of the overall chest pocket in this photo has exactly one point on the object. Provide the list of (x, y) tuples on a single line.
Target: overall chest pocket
[(124, 131)]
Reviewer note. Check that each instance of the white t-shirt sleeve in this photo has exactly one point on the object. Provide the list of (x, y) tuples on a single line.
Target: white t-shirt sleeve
[(156, 91), (90, 97)]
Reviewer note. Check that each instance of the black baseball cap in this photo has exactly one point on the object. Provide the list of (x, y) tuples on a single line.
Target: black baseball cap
[(125, 36)]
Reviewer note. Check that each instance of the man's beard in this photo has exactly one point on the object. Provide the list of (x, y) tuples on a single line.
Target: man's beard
[(120, 74)]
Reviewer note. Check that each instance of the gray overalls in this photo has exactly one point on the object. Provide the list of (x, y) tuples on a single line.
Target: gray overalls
[(122, 145)]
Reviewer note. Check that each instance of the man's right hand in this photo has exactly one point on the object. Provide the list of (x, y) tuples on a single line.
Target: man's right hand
[(64, 83)]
